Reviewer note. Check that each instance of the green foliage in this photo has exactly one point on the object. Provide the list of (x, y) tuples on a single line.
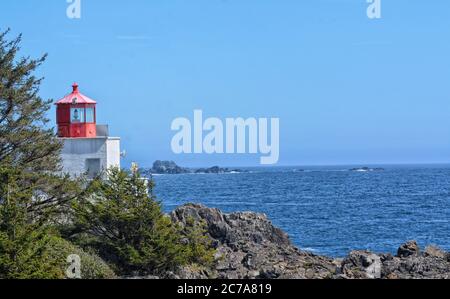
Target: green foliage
[(26, 256), (27, 144), (32, 194), (92, 266), (29, 247), (198, 246), (125, 223), (23, 243)]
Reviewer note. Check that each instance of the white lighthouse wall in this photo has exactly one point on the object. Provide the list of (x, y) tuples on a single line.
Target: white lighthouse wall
[(78, 153), (113, 152)]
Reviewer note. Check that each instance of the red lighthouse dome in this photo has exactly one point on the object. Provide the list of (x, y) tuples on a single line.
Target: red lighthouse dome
[(76, 115)]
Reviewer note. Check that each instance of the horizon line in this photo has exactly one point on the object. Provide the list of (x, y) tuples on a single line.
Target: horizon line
[(317, 165)]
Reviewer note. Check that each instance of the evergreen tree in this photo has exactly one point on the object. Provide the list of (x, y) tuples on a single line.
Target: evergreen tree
[(125, 223), (30, 189), (26, 142), (24, 251)]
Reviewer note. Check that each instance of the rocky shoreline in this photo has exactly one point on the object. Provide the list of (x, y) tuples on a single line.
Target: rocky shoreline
[(250, 247)]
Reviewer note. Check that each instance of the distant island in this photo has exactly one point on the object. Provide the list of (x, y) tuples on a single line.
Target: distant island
[(170, 167)]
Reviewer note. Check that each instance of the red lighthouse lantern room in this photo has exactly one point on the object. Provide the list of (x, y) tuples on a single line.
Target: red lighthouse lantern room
[(76, 115)]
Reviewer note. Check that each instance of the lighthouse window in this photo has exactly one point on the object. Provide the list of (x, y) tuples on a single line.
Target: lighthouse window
[(90, 115), (92, 167), (76, 115)]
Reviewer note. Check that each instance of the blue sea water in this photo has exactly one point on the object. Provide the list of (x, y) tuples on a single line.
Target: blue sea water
[(330, 210)]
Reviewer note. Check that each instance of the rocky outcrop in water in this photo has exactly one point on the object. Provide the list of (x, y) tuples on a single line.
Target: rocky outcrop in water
[(216, 169), (249, 246), (167, 167), (170, 167)]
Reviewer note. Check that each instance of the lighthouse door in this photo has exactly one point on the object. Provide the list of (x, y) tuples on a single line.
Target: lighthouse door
[(92, 167)]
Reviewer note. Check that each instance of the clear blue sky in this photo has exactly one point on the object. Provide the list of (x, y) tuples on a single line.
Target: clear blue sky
[(347, 89)]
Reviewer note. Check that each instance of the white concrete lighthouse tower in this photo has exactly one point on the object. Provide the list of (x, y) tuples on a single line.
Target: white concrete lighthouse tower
[(88, 148)]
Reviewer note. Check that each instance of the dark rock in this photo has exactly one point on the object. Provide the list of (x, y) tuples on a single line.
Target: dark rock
[(141, 277), (407, 249), (408, 264), (170, 167), (214, 169), (361, 264), (167, 167), (217, 170), (249, 246), (433, 251)]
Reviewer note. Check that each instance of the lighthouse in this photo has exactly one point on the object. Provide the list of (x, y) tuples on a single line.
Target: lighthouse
[(87, 147)]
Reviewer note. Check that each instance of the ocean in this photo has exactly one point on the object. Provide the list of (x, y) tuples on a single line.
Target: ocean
[(329, 210)]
